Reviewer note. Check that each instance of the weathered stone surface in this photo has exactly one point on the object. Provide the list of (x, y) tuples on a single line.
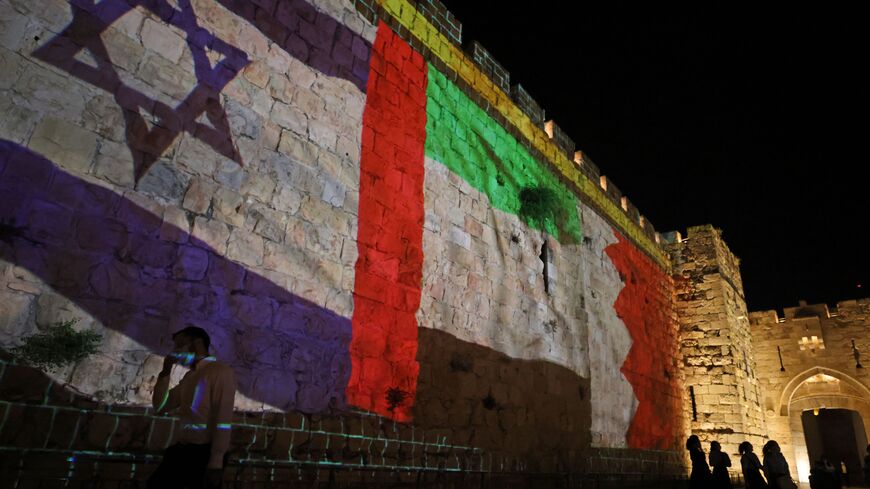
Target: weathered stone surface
[(243, 121), (17, 122), (211, 233), (163, 39), (13, 27), (16, 316), (163, 180), (9, 64), (191, 263), (123, 50), (69, 145), (245, 247), (198, 197), (114, 163), (290, 118), (175, 226), (296, 148), (171, 82)]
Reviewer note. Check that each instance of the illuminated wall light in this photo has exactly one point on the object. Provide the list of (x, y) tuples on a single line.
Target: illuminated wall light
[(642, 221), (548, 128), (658, 238), (578, 158), (602, 180), (623, 202)]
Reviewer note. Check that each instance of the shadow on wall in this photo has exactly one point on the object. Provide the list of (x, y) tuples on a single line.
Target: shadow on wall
[(145, 278), (527, 415)]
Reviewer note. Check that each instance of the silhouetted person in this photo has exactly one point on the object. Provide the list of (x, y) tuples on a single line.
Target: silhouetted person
[(751, 467), (775, 467), (720, 461), (832, 474), (204, 402), (700, 478), (818, 476)]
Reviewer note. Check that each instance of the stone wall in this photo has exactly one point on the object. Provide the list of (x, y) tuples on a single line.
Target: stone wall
[(818, 368), (722, 389), (370, 228)]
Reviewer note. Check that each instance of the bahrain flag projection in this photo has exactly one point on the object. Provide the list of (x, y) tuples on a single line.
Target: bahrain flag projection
[(298, 353)]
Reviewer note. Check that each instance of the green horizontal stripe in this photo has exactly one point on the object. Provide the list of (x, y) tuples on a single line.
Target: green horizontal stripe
[(460, 135)]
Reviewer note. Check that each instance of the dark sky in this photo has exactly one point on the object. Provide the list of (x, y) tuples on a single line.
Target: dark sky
[(753, 121)]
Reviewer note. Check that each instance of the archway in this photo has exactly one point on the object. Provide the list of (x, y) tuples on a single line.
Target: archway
[(846, 404)]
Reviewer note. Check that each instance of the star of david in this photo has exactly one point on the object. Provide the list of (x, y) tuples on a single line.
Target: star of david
[(91, 18)]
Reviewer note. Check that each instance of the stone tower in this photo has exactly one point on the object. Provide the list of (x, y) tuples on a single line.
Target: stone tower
[(721, 388)]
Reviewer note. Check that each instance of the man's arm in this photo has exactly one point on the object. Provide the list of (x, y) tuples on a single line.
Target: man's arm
[(223, 397), (164, 398)]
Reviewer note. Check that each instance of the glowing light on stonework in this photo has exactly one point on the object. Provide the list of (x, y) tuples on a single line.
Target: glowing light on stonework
[(812, 343)]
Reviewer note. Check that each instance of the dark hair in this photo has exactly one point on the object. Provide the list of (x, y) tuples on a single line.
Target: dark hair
[(744, 447), (692, 442), (715, 445), (768, 447), (195, 333)]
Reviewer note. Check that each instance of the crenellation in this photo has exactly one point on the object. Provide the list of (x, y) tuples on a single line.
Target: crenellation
[(528, 105), (492, 68), (562, 140)]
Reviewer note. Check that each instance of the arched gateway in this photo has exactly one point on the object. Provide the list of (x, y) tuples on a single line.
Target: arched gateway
[(815, 392)]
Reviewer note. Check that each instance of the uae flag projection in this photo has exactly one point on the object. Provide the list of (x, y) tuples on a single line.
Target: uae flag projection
[(415, 114)]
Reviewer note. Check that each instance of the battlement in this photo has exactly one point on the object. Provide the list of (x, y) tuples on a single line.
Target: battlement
[(844, 311), (558, 147)]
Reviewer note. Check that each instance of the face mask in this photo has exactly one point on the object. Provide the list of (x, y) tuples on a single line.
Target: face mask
[(184, 358)]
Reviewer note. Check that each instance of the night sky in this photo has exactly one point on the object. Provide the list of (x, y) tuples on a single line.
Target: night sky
[(745, 119)]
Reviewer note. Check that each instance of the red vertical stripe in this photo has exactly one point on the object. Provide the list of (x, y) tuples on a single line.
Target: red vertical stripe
[(645, 306), (390, 239)]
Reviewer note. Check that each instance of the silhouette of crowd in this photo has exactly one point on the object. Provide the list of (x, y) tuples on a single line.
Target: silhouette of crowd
[(711, 472), (773, 473)]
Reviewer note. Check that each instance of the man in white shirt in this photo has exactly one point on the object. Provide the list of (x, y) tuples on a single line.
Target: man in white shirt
[(203, 400)]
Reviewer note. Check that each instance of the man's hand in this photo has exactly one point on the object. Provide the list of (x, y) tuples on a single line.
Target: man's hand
[(213, 478), (168, 362)]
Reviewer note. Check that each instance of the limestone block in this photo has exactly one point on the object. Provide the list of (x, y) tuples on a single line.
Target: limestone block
[(9, 66), (212, 233), (230, 174), (243, 121), (165, 181), (290, 118), (163, 39), (333, 193), (258, 186), (300, 150), (16, 316), (245, 247), (171, 82), (257, 72), (175, 226), (67, 144), (17, 122), (47, 91), (267, 223), (197, 157), (124, 51), (229, 206), (191, 263), (13, 27), (199, 194), (114, 163)]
